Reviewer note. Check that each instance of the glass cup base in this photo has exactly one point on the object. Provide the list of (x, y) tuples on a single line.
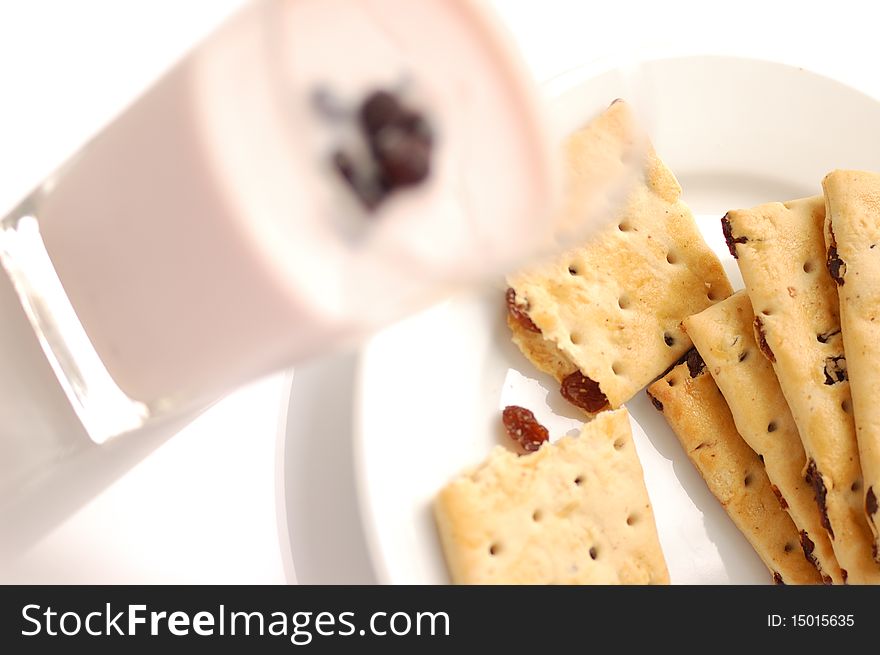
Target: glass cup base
[(103, 408)]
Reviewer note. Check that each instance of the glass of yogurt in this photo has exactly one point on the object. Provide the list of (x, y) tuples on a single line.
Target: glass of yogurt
[(312, 171)]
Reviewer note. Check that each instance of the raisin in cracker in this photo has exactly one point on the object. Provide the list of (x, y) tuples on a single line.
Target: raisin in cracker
[(699, 416), (724, 336), (780, 248), (574, 512), (852, 239), (611, 310)]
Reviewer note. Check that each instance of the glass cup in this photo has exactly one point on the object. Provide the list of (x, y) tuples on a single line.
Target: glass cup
[(204, 238), (218, 230)]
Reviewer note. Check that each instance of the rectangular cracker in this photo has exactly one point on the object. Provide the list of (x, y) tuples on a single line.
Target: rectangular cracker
[(724, 336), (574, 512), (612, 308), (780, 249), (852, 229), (695, 409)]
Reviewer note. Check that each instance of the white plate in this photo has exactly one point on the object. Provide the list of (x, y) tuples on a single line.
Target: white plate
[(428, 392)]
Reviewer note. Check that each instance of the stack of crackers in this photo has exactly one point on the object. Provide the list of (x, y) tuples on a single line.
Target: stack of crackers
[(795, 357), (777, 419)]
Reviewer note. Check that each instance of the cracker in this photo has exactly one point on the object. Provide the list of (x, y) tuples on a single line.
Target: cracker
[(781, 254), (852, 229), (612, 309), (574, 512), (695, 409), (724, 336)]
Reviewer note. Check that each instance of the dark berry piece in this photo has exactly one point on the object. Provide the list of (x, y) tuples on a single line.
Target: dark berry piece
[(522, 426), (379, 110), (520, 313), (404, 160), (583, 392)]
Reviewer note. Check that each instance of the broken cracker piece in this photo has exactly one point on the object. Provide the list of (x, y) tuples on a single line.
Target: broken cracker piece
[(609, 312), (574, 512)]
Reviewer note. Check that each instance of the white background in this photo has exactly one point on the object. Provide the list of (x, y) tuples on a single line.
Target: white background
[(201, 508)]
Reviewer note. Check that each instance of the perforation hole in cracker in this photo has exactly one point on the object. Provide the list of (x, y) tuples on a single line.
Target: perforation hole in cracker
[(825, 337)]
